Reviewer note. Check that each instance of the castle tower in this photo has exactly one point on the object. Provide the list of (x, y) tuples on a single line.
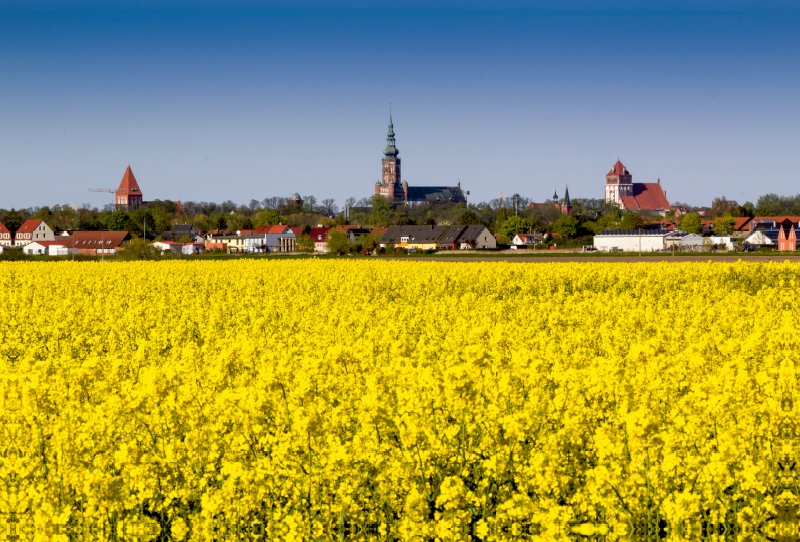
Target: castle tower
[(619, 182), (390, 185), (129, 196)]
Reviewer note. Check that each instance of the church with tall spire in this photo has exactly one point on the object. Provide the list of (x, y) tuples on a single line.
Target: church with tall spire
[(392, 187)]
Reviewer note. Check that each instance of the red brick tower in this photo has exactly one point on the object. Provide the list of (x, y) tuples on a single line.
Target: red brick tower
[(129, 195)]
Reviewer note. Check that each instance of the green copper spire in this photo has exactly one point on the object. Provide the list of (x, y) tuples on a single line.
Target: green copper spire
[(390, 149)]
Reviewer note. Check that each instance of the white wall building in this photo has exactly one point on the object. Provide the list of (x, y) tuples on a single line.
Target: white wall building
[(634, 240), (49, 248)]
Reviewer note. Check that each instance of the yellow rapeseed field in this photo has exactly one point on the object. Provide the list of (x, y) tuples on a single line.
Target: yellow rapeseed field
[(456, 400)]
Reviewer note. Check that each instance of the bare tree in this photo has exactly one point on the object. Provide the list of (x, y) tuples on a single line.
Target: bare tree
[(329, 206)]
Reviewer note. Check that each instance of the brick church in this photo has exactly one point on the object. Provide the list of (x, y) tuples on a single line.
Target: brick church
[(392, 188), (128, 195), (631, 196)]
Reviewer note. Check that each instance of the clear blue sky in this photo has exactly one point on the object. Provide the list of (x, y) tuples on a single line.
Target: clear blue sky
[(212, 101)]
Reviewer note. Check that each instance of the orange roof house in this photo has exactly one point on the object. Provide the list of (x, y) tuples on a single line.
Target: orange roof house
[(128, 195)]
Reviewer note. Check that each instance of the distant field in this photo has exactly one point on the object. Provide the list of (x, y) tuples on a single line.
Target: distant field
[(317, 398)]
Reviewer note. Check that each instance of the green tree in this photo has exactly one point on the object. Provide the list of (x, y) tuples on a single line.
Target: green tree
[(691, 223), (338, 243), (566, 226), (630, 221), (117, 220), (268, 217), (305, 243), (382, 209), (138, 249), (510, 227), (469, 218), (723, 226)]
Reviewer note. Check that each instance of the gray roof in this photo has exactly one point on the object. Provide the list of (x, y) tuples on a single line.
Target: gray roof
[(415, 234), (452, 234), (435, 193), (471, 233)]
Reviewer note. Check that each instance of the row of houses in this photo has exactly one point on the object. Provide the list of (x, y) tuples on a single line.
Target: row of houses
[(438, 237)]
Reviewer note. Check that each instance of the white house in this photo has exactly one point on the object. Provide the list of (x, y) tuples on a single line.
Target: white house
[(634, 240), (33, 230), (193, 248), (759, 238), (723, 243), (527, 239), (169, 246), (50, 248)]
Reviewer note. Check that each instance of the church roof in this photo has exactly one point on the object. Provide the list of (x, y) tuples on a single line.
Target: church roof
[(390, 149), (646, 197), (435, 193), (128, 184), (618, 169)]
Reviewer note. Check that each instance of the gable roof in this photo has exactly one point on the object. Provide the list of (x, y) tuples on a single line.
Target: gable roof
[(128, 184), (28, 226), (740, 222), (319, 235), (96, 239), (298, 231), (415, 234), (471, 234), (452, 234), (646, 197), (3, 228)]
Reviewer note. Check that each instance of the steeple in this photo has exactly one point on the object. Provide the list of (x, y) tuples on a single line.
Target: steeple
[(555, 193), (566, 197), (390, 149)]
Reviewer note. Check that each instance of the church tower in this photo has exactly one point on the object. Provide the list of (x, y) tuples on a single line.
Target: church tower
[(128, 195), (619, 183), (390, 186)]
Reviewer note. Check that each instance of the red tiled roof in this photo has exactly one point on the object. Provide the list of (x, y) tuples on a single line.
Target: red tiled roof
[(298, 231), (618, 169), (3, 228), (378, 232), (96, 239), (128, 184), (278, 229), (646, 197), (28, 226), (319, 234), (741, 222)]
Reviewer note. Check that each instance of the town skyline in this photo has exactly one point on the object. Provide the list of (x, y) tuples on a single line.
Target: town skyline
[(217, 103)]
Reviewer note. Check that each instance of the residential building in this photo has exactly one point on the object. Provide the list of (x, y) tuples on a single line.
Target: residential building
[(319, 236), (180, 231), (172, 247), (49, 248), (6, 239), (694, 242), (128, 194), (449, 239), (96, 243), (33, 230), (193, 248), (477, 237), (759, 238), (637, 240), (353, 232), (278, 238), (527, 239), (787, 237), (621, 189), (392, 187), (413, 237), (770, 226)]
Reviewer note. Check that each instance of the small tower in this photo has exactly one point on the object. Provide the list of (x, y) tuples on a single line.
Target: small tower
[(555, 194), (390, 185), (128, 195), (566, 207)]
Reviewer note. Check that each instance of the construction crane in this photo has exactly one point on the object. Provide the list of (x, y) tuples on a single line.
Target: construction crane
[(106, 190)]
